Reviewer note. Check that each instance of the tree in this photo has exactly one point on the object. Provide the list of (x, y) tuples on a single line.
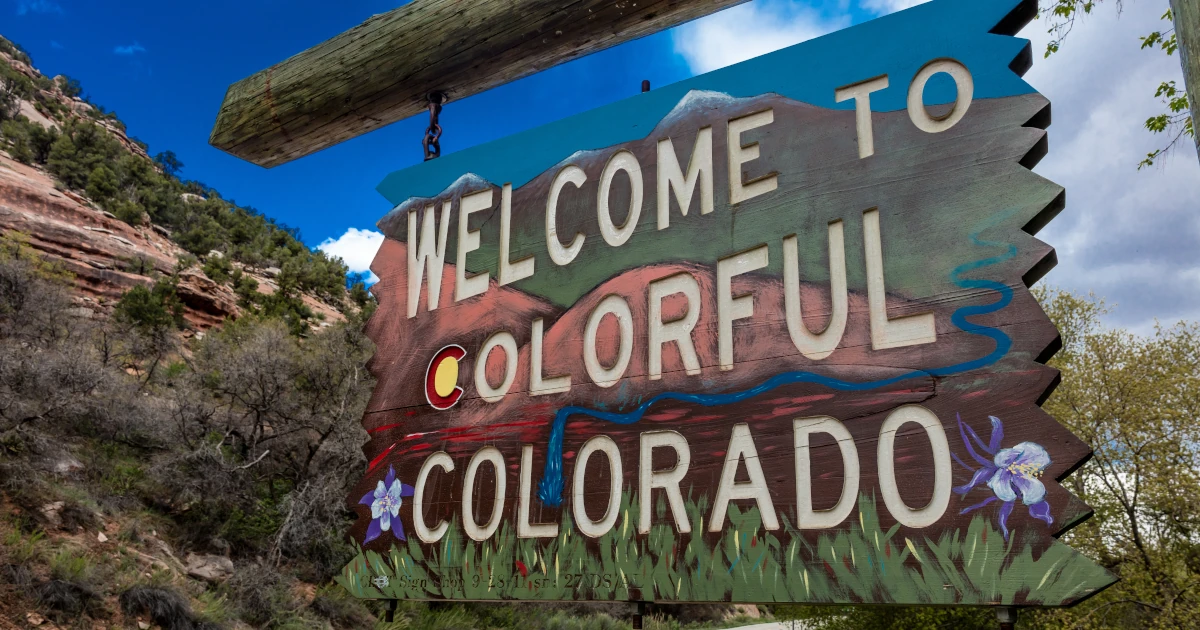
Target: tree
[(102, 184), (149, 316), (170, 164), (70, 87), (1175, 120), (1135, 400), (8, 98)]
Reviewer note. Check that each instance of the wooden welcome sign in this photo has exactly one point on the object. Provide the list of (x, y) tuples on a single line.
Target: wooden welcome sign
[(760, 336)]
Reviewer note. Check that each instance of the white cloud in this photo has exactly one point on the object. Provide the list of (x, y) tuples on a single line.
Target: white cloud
[(356, 248), (1128, 235), (25, 7), (131, 49), (749, 30), (883, 7)]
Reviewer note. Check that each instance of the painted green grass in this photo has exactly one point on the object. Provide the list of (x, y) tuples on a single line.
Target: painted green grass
[(747, 564)]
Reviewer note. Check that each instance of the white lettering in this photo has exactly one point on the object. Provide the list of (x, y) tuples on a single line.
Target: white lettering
[(426, 254), (670, 177), (729, 307), (510, 272), (740, 191), (964, 84), (816, 346), (741, 448), (668, 480), (468, 241), (602, 444), (505, 341), (861, 93), (562, 255), (931, 513), (492, 456), (806, 516), (620, 161), (525, 529), (619, 308), (910, 330), (538, 384), (441, 460), (678, 330)]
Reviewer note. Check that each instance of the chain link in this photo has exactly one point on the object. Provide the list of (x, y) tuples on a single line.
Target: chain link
[(433, 135)]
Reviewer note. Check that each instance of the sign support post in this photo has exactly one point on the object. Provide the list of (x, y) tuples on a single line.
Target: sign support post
[(1187, 29)]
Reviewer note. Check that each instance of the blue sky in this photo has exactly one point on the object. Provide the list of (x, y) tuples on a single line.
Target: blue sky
[(164, 68)]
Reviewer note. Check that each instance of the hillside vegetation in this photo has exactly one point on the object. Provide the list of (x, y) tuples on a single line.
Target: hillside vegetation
[(44, 123)]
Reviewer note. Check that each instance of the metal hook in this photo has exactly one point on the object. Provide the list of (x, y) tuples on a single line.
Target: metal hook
[(433, 134)]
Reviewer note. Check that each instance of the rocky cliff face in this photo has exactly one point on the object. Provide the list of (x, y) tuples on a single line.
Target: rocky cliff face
[(107, 256)]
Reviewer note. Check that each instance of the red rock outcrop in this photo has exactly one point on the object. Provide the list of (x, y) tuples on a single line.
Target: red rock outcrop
[(106, 256)]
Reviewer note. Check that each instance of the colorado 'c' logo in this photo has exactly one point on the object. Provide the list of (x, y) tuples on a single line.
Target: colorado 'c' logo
[(441, 379)]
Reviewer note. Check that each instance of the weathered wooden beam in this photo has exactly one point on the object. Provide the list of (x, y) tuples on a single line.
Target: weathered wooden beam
[(384, 69), (1187, 29)]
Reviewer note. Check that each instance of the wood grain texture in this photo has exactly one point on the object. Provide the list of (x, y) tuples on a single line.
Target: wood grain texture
[(383, 70), (940, 226), (1187, 28), (952, 420)]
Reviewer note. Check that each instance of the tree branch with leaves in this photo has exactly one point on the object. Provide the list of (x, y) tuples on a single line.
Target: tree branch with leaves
[(1175, 120)]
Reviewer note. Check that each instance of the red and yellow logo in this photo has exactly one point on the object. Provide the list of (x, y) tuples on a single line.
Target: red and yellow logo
[(441, 379)]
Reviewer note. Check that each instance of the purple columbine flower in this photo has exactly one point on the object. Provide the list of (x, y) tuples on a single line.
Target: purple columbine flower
[(1012, 473), (385, 501)]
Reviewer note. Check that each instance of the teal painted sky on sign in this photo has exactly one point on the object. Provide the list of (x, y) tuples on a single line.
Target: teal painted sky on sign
[(897, 45)]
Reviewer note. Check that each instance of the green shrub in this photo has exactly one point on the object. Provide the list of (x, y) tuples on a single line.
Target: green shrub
[(219, 269), (14, 50), (22, 548), (102, 184), (17, 138), (71, 565), (28, 142), (151, 309), (70, 87)]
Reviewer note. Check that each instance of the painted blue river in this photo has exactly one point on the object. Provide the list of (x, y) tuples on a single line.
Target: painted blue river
[(551, 485)]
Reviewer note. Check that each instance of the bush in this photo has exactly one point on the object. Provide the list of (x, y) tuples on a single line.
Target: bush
[(342, 610), (86, 157), (169, 163), (263, 595), (164, 606), (78, 150), (28, 142), (14, 86), (219, 269), (153, 310), (102, 184), (14, 50), (32, 292), (65, 599), (70, 87), (889, 617)]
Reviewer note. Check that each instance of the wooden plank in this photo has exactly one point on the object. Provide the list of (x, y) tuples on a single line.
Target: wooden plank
[(1187, 29), (384, 69), (904, 493)]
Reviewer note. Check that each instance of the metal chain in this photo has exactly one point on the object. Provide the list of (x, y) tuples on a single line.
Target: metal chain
[(433, 135)]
